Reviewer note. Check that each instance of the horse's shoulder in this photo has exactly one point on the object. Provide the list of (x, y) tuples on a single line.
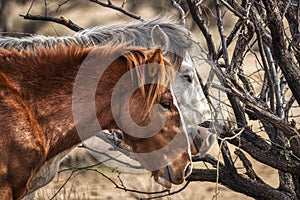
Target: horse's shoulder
[(20, 137)]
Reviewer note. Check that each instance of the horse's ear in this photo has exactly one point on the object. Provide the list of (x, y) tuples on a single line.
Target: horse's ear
[(160, 38)]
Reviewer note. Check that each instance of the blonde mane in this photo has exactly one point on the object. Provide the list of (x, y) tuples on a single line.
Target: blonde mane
[(139, 62)]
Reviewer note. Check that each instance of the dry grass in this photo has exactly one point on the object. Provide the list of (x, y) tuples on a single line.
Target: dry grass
[(93, 185)]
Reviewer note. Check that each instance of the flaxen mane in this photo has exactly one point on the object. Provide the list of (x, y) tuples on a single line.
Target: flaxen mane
[(161, 76)]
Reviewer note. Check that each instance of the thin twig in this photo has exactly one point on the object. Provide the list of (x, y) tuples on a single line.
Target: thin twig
[(289, 104), (123, 4), (266, 69), (46, 7), (275, 81), (117, 186), (110, 157), (231, 36), (234, 11), (123, 187), (222, 35), (172, 193), (30, 7), (63, 185), (59, 5), (120, 9), (181, 12)]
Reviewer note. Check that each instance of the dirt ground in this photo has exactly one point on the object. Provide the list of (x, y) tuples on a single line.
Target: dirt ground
[(89, 185)]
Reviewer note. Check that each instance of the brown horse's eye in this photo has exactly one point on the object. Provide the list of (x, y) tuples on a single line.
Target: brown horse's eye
[(166, 105)]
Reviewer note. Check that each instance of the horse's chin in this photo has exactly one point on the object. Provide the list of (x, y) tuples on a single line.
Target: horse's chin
[(167, 184), (162, 181)]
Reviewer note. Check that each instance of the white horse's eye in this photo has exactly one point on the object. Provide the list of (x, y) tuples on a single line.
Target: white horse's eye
[(188, 78)]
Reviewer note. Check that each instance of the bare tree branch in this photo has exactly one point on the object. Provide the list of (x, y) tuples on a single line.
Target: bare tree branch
[(262, 151), (194, 9), (181, 12), (62, 20), (239, 183), (120, 9), (248, 166), (281, 56), (222, 35)]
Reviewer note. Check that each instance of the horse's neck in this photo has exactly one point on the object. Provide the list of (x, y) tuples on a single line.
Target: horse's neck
[(46, 86)]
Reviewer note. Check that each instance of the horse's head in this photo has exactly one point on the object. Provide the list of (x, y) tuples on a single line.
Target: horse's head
[(165, 153), (144, 109), (187, 89)]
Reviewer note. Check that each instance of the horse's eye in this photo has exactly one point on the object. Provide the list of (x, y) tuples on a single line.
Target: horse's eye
[(188, 78), (166, 105)]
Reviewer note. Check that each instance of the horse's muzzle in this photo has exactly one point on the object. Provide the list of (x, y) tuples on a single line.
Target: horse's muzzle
[(201, 140), (172, 174)]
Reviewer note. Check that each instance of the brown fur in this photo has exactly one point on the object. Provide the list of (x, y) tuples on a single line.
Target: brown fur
[(36, 121)]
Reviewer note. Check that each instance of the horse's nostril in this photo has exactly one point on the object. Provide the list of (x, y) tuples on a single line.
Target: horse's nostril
[(117, 134), (188, 170)]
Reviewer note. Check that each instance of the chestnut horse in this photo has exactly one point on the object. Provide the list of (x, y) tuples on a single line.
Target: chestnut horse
[(37, 121)]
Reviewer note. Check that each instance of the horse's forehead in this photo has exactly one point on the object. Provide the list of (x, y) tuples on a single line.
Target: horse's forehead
[(193, 105), (187, 64)]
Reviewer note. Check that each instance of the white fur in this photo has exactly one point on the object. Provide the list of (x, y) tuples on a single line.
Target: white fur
[(191, 100)]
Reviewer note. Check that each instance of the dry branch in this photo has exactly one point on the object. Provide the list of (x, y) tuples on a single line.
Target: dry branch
[(62, 20), (120, 9), (197, 16), (239, 183), (281, 55), (181, 12)]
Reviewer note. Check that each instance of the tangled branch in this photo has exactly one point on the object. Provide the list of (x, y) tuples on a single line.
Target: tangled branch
[(69, 23)]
